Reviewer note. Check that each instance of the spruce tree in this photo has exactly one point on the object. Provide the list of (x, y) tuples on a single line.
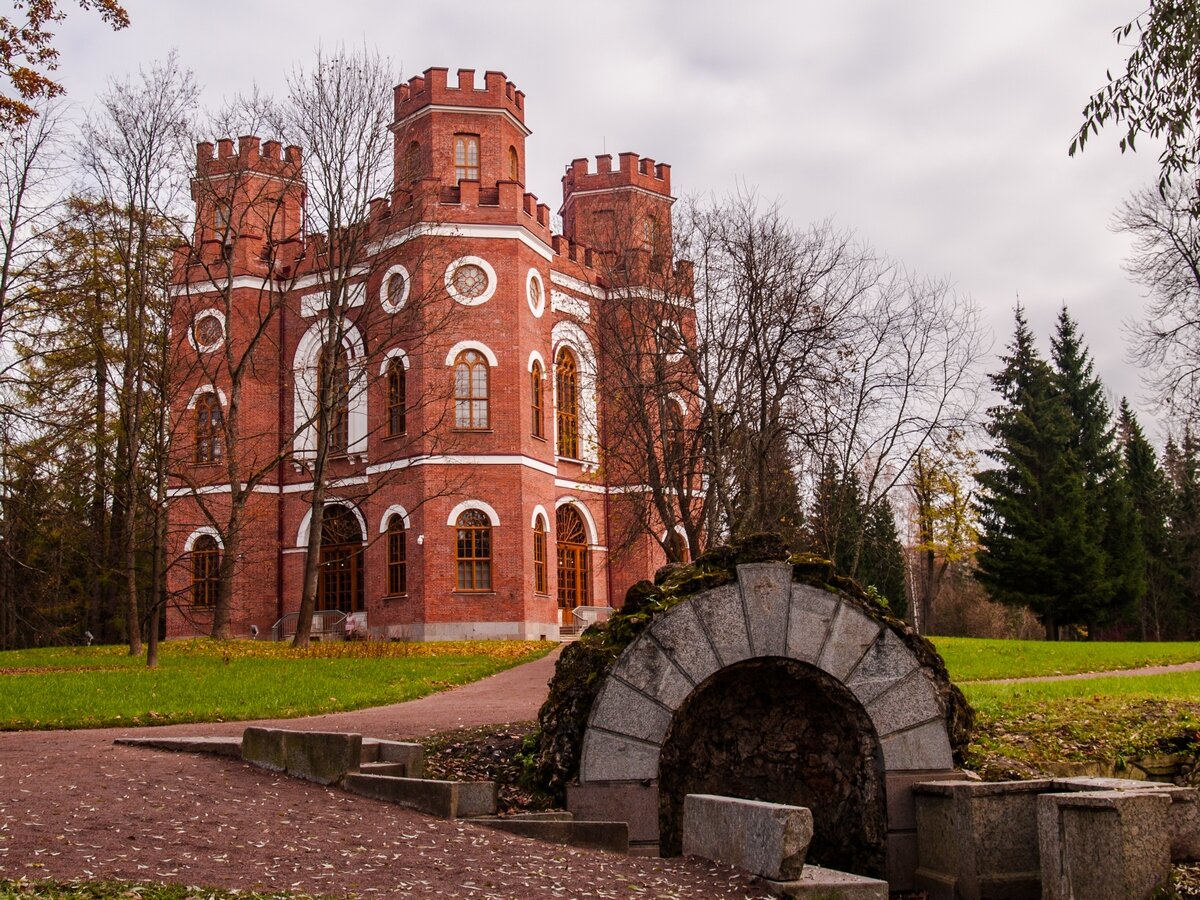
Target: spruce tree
[(1035, 549)]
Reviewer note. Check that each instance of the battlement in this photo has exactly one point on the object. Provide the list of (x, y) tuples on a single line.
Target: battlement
[(433, 89), (250, 153), (632, 171)]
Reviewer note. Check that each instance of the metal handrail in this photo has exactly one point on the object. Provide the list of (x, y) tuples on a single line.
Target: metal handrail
[(327, 624)]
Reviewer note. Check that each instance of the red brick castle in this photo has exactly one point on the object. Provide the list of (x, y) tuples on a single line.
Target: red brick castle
[(469, 492)]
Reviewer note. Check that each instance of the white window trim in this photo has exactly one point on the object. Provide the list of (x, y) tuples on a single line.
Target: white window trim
[(201, 532), (394, 510), (452, 519), (540, 307), (479, 346), (397, 305), (191, 332), (488, 271)]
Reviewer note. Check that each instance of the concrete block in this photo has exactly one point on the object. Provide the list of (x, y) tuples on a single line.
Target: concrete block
[(850, 636), (645, 666), (611, 757), (817, 883), (811, 614), (216, 746), (684, 641), (720, 610), (766, 594), (911, 702), (409, 754), (264, 747), (766, 839), (887, 661), (444, 799), (1103, 845), (325, 757), (924, 747), (621, 709), (634, 803), (610, 836)]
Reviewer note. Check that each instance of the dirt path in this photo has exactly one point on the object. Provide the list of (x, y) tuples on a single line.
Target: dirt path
[(1084, 676), (72, 804)]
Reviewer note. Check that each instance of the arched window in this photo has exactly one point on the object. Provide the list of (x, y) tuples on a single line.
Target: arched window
[(540, 585), (336, 383), (206, 569), (473, 551), (514, 165), (340, 585), (397, 553), (566, 374), (209, 429), (573, 568), (535, 399), (470, 390), (412, 161), (466, 157), (397, 400)]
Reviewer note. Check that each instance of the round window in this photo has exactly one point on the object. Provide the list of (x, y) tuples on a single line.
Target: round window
[(207, 331), (470, 281)]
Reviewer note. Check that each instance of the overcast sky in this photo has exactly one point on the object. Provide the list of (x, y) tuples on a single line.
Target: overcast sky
[(936, 130)]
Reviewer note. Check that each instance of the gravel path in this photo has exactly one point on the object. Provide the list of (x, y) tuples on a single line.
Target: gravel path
[(1084, 676), (73, 804)]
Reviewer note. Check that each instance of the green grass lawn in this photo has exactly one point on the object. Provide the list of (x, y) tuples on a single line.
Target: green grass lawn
[(208, 681), (974, 659)]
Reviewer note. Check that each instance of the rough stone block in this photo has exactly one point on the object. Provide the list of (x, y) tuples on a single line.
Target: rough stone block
[(325, 757), (721, 612), (817, 883), (646, 667), (850, 636), (766, 593), (1103, 845), (766, 839), (611, 757), (887, 662), (684, 641), (621, 709), (911, 702), (633, 803), (811, 614), (924, 747), (264, 747)]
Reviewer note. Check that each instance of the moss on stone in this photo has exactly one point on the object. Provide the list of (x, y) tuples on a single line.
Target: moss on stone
[(584, 665)]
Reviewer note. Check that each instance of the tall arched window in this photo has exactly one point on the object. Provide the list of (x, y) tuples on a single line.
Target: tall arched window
[(536, 410), (466, 157), (540, 585), (336, 413), (573, 569), (209, 428), (397, 556), (397, 400), (473, 551), (470, 390), (206, 569), (340, 585), (566, 374), (514, 165)]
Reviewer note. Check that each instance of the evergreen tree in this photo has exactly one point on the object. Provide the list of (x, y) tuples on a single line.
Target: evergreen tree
[(1035, 549)]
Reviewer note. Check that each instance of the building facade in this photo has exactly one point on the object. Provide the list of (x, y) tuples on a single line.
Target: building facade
[(468, 490)]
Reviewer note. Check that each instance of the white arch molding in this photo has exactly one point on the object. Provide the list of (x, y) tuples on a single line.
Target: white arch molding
[(581, 507), (202, 531), (394, 510), (304, 392), (306, 522), (486, 508)]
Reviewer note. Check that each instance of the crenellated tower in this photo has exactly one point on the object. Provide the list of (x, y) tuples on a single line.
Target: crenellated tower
[(451, 134)]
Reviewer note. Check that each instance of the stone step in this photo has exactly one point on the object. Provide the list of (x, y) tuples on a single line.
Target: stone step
[(445, 799), (610, 836)]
